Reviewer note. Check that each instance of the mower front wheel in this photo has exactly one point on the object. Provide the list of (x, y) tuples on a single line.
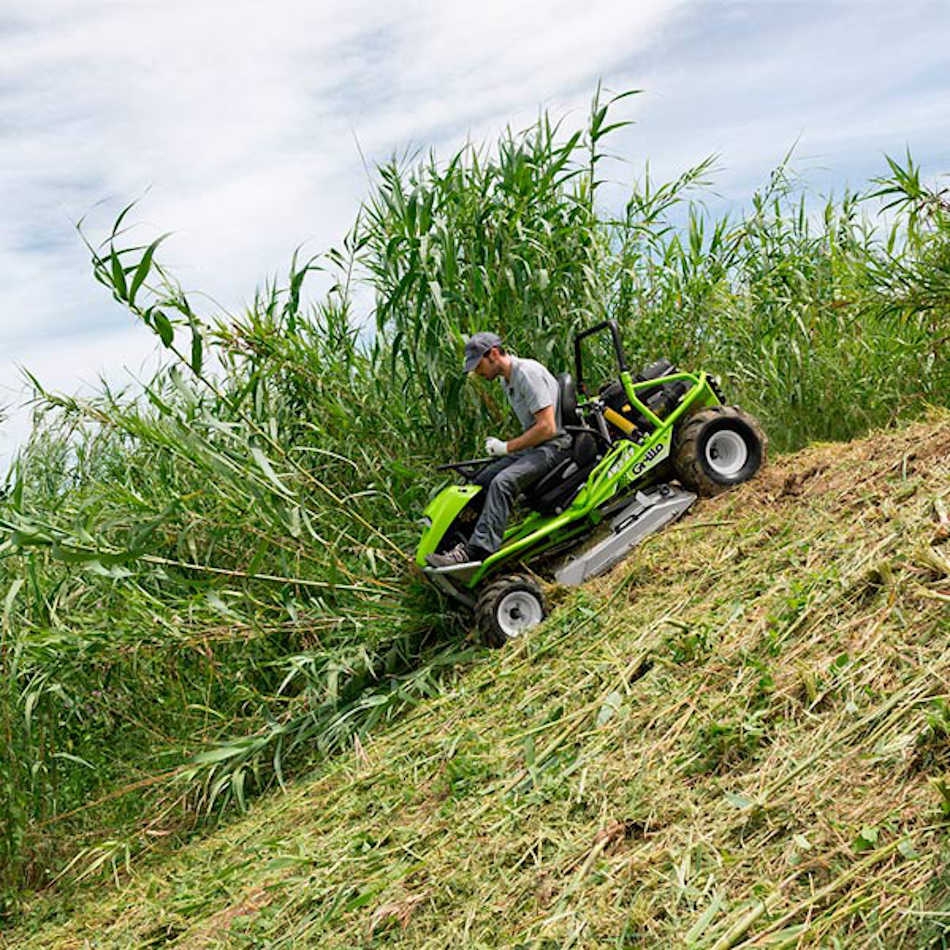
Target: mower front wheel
[(718, 448), (507, 607)]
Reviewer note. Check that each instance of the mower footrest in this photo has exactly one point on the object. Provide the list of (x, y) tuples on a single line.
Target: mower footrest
[(650, 510), (451, 580)]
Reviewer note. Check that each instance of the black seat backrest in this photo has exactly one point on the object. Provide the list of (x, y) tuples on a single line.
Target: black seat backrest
[(568, 395)]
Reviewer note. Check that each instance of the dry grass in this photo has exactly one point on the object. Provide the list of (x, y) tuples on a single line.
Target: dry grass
[(739, 738)]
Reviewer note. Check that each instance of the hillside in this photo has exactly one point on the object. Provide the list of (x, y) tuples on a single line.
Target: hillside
[(740, 737), (204, 575)]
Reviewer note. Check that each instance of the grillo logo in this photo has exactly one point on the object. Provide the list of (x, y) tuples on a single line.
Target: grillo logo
[(653, 455)]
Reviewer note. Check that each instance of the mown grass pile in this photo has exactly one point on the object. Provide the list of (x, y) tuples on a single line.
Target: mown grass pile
[(737, 738), (204, 584)]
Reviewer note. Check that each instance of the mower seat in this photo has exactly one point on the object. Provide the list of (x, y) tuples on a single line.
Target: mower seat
[(567, 394), (552, 493)]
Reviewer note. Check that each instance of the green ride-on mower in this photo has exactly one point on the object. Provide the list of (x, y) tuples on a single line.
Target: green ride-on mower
[(643, 449)]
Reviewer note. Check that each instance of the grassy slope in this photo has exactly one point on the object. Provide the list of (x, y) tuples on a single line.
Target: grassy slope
[(737, 732)]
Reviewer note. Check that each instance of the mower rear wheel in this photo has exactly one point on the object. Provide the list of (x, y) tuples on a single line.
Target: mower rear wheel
[(507, 607), (718, 448)]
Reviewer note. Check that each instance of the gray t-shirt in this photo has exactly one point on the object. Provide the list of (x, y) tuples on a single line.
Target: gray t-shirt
[(530, 389)]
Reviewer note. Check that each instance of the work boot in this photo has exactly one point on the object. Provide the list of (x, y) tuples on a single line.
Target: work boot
[(460, 554)]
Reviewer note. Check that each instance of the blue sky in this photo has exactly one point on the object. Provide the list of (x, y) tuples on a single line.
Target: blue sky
[(236, 124)]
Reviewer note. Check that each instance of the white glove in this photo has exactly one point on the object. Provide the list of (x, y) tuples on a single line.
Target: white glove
[(495, 446)]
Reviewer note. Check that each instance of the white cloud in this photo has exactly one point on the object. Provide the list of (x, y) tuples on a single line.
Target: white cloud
[(848, 81), (241, 120), (72, 365), (236, 122)]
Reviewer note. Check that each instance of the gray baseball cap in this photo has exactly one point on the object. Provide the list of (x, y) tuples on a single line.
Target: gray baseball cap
[(477, 346)]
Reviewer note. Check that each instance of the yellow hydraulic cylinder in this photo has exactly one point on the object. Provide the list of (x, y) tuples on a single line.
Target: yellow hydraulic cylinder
[(615, 419)]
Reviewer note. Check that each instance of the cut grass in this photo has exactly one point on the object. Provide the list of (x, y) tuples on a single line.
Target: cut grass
[(737, 738), (205, 577)]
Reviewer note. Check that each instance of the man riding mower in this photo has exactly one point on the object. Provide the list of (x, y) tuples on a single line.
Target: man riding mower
[(534, 396), (624, 463)]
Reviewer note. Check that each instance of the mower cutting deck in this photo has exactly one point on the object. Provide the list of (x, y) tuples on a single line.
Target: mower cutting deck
[(651, 510)]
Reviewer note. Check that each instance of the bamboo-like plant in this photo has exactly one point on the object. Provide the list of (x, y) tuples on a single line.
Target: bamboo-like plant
[(205, 582)]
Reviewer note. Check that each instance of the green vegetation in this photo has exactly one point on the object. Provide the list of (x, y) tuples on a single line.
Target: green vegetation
[(205, 585), (737, 738)]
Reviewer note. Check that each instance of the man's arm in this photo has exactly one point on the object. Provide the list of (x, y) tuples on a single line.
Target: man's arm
[(544, 428)]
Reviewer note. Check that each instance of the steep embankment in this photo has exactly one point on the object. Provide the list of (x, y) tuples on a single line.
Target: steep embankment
[(739, 737)]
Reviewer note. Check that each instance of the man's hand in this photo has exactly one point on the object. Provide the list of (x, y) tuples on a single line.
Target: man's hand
[(495, 446)]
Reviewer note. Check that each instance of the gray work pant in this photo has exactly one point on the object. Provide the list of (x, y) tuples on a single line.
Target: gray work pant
[(503, 480)]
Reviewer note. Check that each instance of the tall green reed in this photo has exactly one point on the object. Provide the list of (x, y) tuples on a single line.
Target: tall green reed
[(209, 579)]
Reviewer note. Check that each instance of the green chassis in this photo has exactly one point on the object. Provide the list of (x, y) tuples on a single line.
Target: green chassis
[(620, 470)]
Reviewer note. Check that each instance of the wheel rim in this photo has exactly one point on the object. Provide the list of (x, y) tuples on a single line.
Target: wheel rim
[(726, 453), (518, 611)]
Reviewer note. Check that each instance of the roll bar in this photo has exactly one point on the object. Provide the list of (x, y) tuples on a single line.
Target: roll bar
[(618, 350)]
